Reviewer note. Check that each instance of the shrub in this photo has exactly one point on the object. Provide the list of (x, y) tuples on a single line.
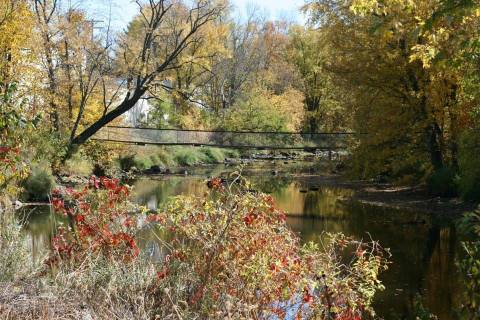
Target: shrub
[(189, 157), (100, 220), (78, 165), (213, 155), (143, 163), (469, 166), (155, 160), (39, 184), (165, 156), (232, 153), (227, 256), (12, 171), (442, 183), (469, 265)]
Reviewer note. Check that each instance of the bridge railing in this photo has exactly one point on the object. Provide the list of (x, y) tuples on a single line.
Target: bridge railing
[(228, 139)]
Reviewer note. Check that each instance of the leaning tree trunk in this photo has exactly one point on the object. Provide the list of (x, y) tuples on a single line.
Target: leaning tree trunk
[(126, 105)]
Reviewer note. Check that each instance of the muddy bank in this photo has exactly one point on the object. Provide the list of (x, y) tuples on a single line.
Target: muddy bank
[(387, 195)]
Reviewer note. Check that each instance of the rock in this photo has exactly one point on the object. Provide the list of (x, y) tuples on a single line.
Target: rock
[(18, 205), (156, 169), (381, 178)]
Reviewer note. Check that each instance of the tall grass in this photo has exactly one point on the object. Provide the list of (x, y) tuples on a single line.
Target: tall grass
[(176, 156), (15, 259), (78, 165), (39, 183)]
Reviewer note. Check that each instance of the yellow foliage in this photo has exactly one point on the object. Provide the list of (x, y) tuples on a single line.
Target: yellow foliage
[(290, 103), (16, 23)]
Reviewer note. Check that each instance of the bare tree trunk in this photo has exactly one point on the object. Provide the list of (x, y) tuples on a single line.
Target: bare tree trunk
[(126, 105), (436, 154)]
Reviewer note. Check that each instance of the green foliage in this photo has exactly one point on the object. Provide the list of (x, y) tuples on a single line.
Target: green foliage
[(231, 153), (49, 147), (143, 163), (255, 113), (469, 266), (421, 312), (79, 165), (15, 130), (442, 183), (40, 183), (213, 155), (469, 166), (163, 115), (470, 223), (325, 112), (470, 269), (165, 157), (175, 156), (189, 157)]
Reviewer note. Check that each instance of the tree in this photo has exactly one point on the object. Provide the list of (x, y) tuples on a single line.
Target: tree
[(307, 52), (92, 81), (404, 93), (262, 110), (16, 26), (164, 38)]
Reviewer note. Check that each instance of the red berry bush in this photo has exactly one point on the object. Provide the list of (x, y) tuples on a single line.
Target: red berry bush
[(229, 255)]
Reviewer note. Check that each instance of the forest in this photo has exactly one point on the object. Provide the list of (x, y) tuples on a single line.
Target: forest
[(400, 77)]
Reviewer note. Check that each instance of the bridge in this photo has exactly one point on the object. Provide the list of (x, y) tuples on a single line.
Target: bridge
[(227, 139)]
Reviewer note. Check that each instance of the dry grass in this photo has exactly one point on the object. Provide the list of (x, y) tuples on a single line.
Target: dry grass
[(97, 289), (26, 300)]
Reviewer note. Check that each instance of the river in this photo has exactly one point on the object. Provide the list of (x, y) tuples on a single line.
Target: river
[(423, 248)]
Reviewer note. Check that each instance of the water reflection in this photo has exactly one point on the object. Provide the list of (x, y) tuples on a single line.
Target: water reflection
[(423, 249), (39, 225)]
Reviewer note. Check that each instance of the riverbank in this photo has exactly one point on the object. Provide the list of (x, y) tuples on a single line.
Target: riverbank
[(386, 195), (313, 174), (317, 174), (317, 203)]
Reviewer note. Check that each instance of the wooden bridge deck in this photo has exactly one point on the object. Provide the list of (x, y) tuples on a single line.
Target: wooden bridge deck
[(226, 139)]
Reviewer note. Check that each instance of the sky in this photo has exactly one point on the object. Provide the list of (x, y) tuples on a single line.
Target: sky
[(274, 9), (124, 10)]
